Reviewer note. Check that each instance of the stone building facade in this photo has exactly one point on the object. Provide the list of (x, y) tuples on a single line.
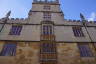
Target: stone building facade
[(46, 37)]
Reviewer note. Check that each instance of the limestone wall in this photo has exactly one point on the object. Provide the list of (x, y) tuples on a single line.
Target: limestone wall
[(40, 7), (37, 17), (27, 53), (62, 33), (68, 53), (65, 33), (28, 32), (92, 33), (1, 45)]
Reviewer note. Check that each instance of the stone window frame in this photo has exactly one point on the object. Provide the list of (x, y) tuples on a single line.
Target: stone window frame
[(15, 30), (48, 48), (47, 7), (85, 50), (47, 16), (47, 30), (48, 56), (78, 32), (9, 49)]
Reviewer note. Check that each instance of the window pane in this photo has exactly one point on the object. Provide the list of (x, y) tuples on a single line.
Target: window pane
[(15, 30), (47, 30), (48, 53), (46, 7), (9, 49), (48, 48), (85, 50), (47, 16), (78, 31)]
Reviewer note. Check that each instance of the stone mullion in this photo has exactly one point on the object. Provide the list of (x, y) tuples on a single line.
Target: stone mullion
[(47, 61)]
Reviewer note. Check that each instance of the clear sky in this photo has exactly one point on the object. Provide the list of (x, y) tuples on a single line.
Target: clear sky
[(71, 8)]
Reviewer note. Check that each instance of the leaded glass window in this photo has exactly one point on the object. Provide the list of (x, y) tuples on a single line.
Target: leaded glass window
[(9, 49), (78, 31), (85, 50), (48, 53), (48, 48), (15, 30), (47, 7), (47, 16), (47, 29)]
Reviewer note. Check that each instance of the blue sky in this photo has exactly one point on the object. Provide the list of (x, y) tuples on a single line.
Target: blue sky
[(71, 8)]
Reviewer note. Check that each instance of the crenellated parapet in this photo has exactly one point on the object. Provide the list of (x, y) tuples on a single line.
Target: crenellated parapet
[(45, 1), (14, 20), (18, 19), (79, 22), (65, 22)]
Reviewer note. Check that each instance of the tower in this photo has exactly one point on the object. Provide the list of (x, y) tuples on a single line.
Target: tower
[(45, 11)]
